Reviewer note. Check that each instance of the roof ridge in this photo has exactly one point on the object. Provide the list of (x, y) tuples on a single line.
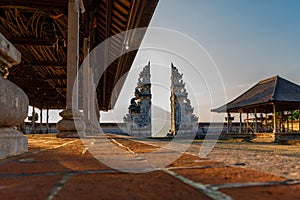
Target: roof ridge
[(269, 79), (275, 87)]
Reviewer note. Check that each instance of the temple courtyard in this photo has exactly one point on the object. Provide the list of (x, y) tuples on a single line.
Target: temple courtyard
[(63, 168)]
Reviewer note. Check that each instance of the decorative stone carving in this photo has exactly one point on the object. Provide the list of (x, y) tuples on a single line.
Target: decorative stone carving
[(138, 119), (183, 121), (13, 104)]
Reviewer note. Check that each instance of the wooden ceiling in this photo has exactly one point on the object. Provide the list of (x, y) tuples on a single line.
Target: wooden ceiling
[(38, 29)]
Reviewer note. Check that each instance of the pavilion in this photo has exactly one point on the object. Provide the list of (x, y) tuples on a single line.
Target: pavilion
[(43, 44), (276, 96)]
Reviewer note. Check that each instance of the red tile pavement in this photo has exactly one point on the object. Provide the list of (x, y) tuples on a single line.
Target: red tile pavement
[(63, 169)]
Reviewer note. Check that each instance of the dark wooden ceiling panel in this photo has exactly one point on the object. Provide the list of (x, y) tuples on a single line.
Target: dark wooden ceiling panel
[(38, 29)]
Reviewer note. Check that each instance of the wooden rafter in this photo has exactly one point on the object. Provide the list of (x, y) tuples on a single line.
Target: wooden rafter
[(107, 35), (38, 29)]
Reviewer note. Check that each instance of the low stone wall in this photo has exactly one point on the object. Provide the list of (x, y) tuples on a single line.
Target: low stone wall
[(114, 128), (240, 137), (288, 138)]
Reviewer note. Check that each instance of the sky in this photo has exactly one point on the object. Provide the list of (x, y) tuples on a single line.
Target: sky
[(222, 47)]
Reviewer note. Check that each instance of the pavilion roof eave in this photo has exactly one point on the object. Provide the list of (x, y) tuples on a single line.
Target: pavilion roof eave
[(243, 109), (266, 107)]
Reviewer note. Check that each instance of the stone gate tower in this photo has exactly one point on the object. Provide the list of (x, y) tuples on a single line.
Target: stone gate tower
[(138, 119), (183, 121)]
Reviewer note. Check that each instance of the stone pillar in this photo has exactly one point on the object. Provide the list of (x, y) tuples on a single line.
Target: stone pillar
[(72, 124), (13, 104), (87, 97)]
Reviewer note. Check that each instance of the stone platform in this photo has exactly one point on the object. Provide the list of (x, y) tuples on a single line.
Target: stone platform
[(62, 168)]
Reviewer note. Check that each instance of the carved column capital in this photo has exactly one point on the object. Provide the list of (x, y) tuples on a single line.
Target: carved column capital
[(9, 56)]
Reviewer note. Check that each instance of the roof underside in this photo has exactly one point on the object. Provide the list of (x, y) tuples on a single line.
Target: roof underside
[(38, 29), (261, 97)]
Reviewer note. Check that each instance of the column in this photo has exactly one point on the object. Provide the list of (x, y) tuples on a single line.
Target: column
[(87, 98), (247, 124), (33, 129), (72, 124), (241, 121), (256, 127), (299, 121), (292, 121), (275, 130), (13, 104), (266, 120), (228, 121), (41, 120), (287, 122), (47, 121)]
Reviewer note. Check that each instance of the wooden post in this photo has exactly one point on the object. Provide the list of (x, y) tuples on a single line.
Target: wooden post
[(275, 130), (255, 128), (41, 121), (228, 120), (241, 122), (247, 124), (287, 122), (33, 131), (47, 121), (292, 121), (266, 120), (299, 120)]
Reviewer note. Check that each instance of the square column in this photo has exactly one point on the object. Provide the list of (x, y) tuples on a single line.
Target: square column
[(72, 125)]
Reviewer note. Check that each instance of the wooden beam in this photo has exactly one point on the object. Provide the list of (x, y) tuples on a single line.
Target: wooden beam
[(35, 86), (58, 77), (38, 63), (34, 41), (41, 4), (123, 59)]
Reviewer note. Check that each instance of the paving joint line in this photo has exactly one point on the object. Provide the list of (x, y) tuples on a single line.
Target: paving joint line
[(207, 189), (58, 186), (59, 173), (254, 184), (204, 189), (121, 145)]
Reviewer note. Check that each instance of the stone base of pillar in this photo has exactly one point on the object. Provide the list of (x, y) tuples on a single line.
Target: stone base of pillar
[(96, 127), (72, 125), (89, 130), (12, 142)]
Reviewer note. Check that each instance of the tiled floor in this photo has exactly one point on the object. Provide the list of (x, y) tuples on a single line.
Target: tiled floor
[(73, 169)]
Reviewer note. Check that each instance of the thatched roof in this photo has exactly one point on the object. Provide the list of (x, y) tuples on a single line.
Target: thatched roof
[(261, 97), (38, 29)]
